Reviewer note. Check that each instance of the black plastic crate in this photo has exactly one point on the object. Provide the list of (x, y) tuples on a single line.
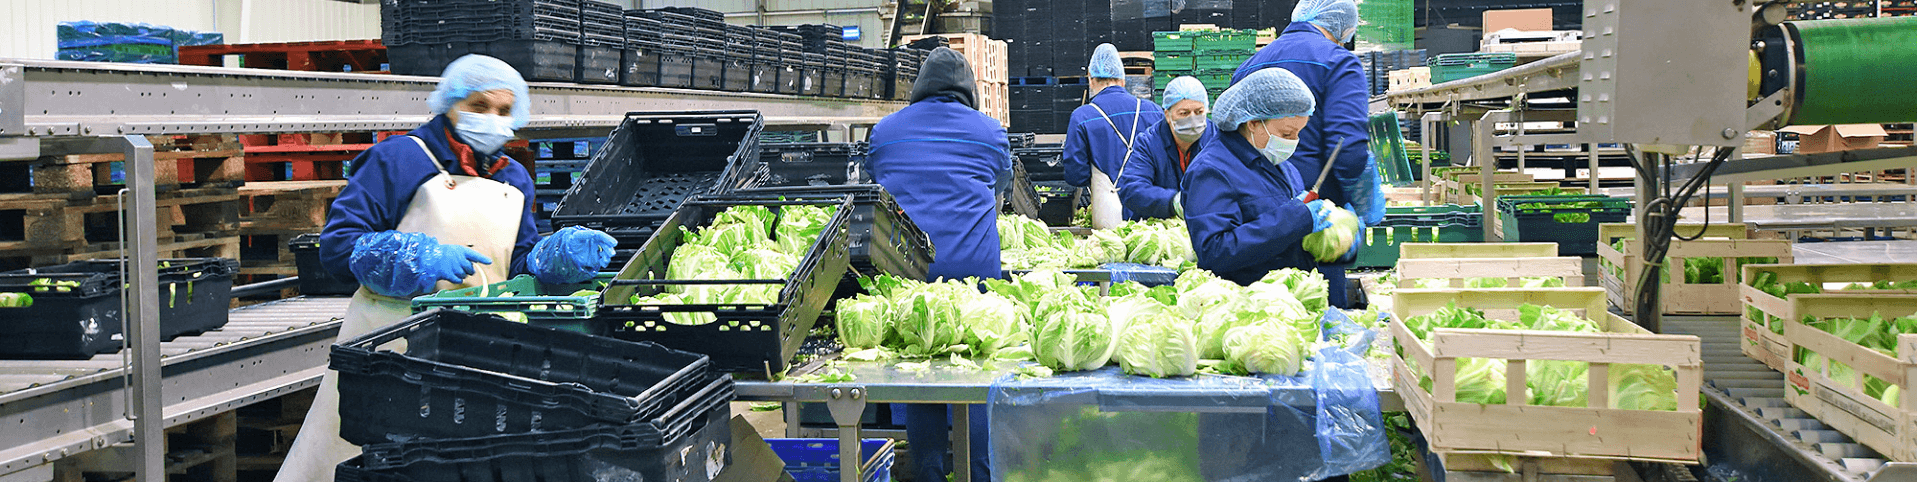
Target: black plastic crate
[(653, 162), (474, 375), (743, 338), (791, 78), (880, 238), (810, 164), (642, 29), (536, 60), (765, 76), (76, 310), (600, 65), (675, 67), (689, 444), (738, 73), (1042, 163), (834, 78), (1058, 201), (696, 13), (1022, 197), (315, 279), (639, 65), (708, 70)]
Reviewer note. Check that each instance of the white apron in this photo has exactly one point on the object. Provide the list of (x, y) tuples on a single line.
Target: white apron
[(1107, 210), (479, 213)]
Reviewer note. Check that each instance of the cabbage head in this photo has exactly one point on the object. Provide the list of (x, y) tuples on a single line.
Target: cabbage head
[(1309, 287), (1073, 341), (1161, 243), (1644, 387), (1158, 346), (1332, 243), (1100, 247), (764, 263), (756, 220), (799, 227), (1269, 348), (864, 321), (991, 321), (926, 321)]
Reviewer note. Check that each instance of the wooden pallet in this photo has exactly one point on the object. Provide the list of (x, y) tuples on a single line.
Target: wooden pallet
[(1591, 432), (304, 157), (326, 56), (1767, 343), (1839, 402), (56, 226), (287, 205), (193, 162)]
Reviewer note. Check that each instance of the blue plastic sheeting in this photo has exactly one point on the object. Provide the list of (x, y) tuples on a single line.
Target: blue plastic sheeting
[(127, 42), (1143, 274), (1106, 425)]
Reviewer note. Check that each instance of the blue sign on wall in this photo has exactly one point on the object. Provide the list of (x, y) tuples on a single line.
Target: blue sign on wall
[(852, 34)]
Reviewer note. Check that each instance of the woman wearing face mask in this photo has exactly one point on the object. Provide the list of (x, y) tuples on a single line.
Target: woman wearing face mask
[(1243, 203), (438, 208), (1149, 182)]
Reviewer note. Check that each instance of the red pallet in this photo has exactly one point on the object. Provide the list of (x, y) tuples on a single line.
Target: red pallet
[(332, 56)]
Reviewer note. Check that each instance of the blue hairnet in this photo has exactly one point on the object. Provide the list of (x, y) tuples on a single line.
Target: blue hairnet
[(1105, 63), (1265, 94), (1186, 87), (478, 73), (1340, 17)]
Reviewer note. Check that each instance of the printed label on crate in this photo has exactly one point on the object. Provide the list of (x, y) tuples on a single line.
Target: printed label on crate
[(1857, 409), (1798, 381), (1751, 336)]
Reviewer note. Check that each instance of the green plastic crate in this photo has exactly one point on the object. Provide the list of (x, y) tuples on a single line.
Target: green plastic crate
[(1226, 40), (1546, 225), (1172, 41), (1223, 59), (1449, 67), (1173, 61), (1215, 80), (550, 306), (1387, 145), (1381, 248)]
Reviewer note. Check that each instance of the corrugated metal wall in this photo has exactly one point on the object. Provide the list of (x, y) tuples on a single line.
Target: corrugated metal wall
[(29, 24)]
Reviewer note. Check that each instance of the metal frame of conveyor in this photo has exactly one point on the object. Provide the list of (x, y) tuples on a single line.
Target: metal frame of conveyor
[(55, 107)]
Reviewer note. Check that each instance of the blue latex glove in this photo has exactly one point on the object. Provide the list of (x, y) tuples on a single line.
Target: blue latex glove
[(1320, 214), (1353, 254), (404, 265), (572, 255), (1367, 194)]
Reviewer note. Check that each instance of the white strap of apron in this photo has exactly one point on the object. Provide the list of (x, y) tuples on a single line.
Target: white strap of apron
[(1140, 105), (429, 153)]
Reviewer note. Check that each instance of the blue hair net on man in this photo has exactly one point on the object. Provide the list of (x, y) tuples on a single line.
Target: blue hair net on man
[(478, 73), (1183, 88), (1105, 63), (1340, 17), (1266, 94)]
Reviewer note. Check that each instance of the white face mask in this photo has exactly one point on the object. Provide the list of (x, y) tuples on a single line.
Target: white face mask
[(1277, 149), (485, 133), (1189, 128)]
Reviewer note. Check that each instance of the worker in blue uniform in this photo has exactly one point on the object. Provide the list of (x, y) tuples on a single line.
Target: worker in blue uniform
[(946, 163), (1149, 184), (1311, 48), (438, 208), (1245, 204), (1102, 133)]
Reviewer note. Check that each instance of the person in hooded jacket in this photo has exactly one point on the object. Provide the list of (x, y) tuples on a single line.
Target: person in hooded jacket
[(1244, 204), (946, 163), (1102, 135), (438, 208), (1150, 182), (1312, 49)]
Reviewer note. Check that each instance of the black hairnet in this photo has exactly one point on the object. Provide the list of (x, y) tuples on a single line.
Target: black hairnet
[(945, 72)]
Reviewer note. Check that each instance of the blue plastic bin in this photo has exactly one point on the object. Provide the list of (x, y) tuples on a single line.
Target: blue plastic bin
[(817, 459)]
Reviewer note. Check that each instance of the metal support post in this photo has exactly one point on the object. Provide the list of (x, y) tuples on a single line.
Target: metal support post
[(961, 442), (1487, 161), (143, 315), (1592, 174), (1429, 121), (1647, 190), (847, 404)]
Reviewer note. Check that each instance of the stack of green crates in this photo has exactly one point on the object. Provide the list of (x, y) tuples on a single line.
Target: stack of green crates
[(1210, 56), (1388, 24), (1449, 223)]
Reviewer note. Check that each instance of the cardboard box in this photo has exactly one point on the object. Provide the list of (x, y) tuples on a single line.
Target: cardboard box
[(1845, 137), (1529, 20), (1760, 142)]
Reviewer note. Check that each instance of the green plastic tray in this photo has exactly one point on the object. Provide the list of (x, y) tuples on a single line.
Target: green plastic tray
[(550, 306), (1172, 41)]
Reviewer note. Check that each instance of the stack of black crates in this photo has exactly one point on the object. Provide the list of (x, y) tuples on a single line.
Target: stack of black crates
[(594, 42)]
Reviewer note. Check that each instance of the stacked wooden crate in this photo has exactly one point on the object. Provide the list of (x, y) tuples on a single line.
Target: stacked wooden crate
[(987, 58), (273, 213), (1622, 269), (57, 209)]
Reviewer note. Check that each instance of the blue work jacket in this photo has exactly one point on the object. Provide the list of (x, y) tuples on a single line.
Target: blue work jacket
[(381, 187), (942, 160), (1242, 214), (1095, 141), (1154, 176), (1337, 81)]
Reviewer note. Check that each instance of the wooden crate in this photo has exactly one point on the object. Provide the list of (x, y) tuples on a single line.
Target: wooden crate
[(1465, 196), (1458, 270), (1594, 432), (1889, 429), (1452, 186), (1412, 78), (987, 56), (1477, 250), (1620, 271), (1767, 343)]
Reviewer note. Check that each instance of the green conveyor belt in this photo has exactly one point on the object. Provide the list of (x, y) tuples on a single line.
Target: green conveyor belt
[(1857, 71)]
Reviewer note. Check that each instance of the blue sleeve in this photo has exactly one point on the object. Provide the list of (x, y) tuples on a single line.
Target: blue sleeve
[(1078, 154), (1228, 240), (1347, 117), (375, 197), (515, 175), (1004, 145), (1138, 186)]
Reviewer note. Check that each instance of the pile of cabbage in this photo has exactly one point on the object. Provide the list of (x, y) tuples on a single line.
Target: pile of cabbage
[(745, 242), (1766, 281), (1550, 383), (1027, 243), (1269, 327), (1876, 333)]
